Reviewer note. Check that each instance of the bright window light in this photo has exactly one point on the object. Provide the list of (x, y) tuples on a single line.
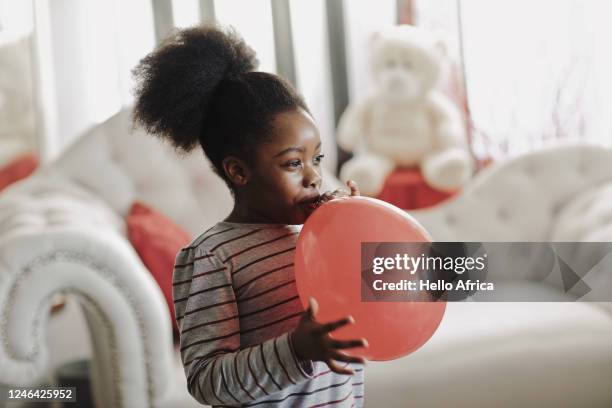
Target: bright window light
[(134, 38), (253, 20), (186, 13), (537, 71), (309, 27), (102, 74), (362, 19), (15, 20)]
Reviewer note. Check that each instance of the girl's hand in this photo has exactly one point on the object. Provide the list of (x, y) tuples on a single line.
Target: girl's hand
[(354, 188), (311, 341), (340, 193)]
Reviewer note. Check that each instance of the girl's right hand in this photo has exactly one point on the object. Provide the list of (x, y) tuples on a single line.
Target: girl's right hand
[(311, 341)]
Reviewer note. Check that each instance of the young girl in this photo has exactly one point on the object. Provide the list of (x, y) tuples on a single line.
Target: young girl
[(245, 340)]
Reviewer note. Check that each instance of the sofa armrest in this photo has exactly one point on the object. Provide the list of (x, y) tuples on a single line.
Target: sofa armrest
[(124, 308)]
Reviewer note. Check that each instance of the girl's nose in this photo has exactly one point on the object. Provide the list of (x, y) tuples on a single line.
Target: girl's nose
[(312, 177)]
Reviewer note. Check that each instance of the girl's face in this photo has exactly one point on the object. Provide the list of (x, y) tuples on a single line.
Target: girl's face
[(286, 174)]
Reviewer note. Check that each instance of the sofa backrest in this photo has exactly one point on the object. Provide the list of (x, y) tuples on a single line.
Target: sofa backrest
[(518, 199), (122, 164)]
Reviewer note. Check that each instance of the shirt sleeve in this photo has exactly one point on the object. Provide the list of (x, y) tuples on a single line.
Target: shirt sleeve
[(359, 386), (218, 370)]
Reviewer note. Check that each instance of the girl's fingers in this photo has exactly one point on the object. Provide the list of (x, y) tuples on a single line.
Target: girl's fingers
[(330, 327), (344, 344), (354, 188), (336, 368), (339, 356), (313, 308)]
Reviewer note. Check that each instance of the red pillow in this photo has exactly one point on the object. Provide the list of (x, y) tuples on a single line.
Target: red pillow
[(18, 169), (157, 239)]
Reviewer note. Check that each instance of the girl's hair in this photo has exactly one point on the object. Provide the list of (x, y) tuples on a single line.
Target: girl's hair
[(199, 86)]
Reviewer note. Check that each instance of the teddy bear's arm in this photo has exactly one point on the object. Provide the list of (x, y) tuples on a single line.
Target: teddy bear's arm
[(353, 126), (450, 165), (447, 120)]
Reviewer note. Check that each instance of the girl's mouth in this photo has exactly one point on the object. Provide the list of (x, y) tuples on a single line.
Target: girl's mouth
[(313, 202)]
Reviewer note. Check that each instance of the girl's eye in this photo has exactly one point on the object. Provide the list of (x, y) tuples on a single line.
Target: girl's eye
[(294, 164), (318, 158)]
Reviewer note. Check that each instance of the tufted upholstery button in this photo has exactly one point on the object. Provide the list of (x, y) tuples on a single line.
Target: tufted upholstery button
[(530, 169), (450, 219), (582, 168), (603, 218), (503, 214), (556, 207)]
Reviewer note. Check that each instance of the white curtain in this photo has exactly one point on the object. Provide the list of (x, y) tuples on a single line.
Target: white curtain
[(85, 52), (17, 130)]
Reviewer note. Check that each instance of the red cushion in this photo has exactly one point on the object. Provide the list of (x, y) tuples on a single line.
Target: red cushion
[(405, 188), (157, 239), (18, 169)]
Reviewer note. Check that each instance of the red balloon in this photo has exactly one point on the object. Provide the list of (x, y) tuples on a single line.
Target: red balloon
[(328, 268)]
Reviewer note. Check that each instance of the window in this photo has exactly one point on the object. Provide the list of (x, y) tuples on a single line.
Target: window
[(537, 72), (253, 20)]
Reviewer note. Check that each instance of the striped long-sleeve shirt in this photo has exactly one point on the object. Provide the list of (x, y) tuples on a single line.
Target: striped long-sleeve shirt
[(236, 301)]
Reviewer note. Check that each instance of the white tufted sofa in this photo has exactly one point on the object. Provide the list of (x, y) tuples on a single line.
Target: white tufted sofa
[(62, 230)]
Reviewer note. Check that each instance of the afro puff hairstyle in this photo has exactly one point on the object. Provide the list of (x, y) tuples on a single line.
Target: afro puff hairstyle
[(200, 87)]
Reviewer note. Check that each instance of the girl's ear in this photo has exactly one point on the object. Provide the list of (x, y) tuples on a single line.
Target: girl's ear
[(236, 170)]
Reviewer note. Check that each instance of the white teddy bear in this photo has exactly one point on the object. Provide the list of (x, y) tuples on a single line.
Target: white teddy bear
[(405, 121)]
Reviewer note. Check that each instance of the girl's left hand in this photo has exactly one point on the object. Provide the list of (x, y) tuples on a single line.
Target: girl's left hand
[(340, 193)]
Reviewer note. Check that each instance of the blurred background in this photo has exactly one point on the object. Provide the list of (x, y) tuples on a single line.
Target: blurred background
[(524, 76), (535, 72)]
